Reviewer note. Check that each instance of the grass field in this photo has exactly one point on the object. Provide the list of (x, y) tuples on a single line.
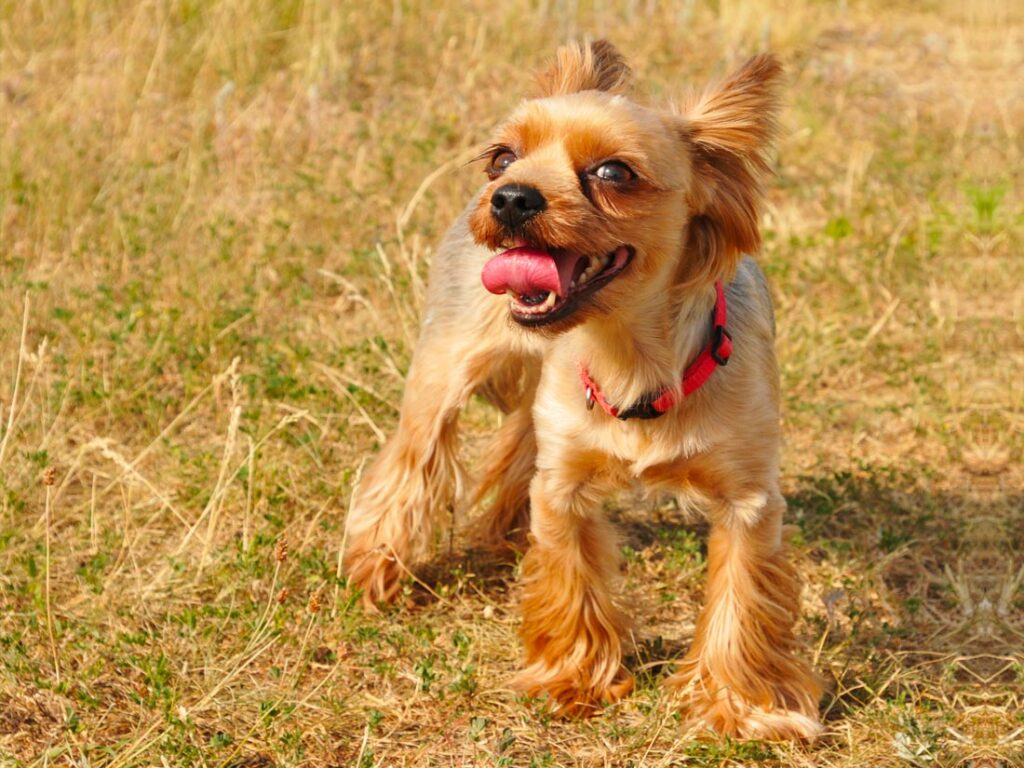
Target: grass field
[(215, 221)]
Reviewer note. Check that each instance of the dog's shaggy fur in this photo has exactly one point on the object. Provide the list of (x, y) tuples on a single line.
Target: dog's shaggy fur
[(688, 209)]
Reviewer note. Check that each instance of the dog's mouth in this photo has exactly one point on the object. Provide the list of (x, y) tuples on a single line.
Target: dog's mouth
[(544, 286)]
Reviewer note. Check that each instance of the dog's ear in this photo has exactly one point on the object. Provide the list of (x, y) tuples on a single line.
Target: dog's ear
[(595, 66), (729, 129)]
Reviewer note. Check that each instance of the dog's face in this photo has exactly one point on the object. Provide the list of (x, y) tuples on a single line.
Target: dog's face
[(595, 201), (585, 193)]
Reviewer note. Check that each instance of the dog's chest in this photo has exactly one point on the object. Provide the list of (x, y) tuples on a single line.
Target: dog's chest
[(641, 445)]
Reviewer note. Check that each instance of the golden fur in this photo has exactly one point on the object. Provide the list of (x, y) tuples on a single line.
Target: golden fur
[(690, 215)]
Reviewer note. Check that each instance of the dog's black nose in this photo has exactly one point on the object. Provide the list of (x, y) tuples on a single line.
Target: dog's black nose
[(514, 204)]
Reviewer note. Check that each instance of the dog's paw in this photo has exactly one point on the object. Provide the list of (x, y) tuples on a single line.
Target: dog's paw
[(779, 725), (568, 693), (727, 714), (376, 572)]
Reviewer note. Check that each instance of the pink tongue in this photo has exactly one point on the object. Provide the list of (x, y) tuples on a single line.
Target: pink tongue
[(529, 272)]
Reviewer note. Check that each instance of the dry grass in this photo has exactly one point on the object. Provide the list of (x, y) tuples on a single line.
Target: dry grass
[(214, 222)]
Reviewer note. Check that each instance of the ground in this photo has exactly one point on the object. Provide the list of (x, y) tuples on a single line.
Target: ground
[(215, 221)]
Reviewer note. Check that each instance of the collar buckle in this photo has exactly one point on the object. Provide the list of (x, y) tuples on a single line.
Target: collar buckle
[(721, 345)]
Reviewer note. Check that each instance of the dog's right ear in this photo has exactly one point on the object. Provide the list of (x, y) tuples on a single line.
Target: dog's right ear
[(729, 129), (595, 66)]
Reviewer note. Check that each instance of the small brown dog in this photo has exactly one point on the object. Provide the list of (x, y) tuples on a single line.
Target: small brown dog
[(612, 227)]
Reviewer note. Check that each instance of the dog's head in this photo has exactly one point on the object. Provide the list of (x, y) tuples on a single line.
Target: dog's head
[(596, 201)]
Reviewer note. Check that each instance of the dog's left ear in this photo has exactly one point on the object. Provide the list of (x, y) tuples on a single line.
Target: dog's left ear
[(729, 129)]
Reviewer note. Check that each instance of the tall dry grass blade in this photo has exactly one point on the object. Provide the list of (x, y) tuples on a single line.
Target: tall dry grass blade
[(401, 309), (250, 485), (216, 502), (48, 480), (12, 409), (341, 389), (103, 446)]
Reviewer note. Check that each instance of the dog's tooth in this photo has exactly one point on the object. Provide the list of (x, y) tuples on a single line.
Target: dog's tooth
[(593, 267)]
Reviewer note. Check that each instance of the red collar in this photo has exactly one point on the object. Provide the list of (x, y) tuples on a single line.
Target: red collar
[(653, 404)]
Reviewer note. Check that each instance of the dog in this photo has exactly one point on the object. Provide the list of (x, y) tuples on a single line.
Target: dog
[(598, 290)]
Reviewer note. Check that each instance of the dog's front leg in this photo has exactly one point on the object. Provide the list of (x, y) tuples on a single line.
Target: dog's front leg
[(417, 474), (572, 630), (743, 675)]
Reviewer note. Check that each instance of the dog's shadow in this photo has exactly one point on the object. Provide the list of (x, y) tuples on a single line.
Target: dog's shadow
[(491, 569)]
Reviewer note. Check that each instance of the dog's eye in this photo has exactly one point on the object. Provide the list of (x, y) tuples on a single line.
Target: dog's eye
[(501, 160), (614, 171)]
